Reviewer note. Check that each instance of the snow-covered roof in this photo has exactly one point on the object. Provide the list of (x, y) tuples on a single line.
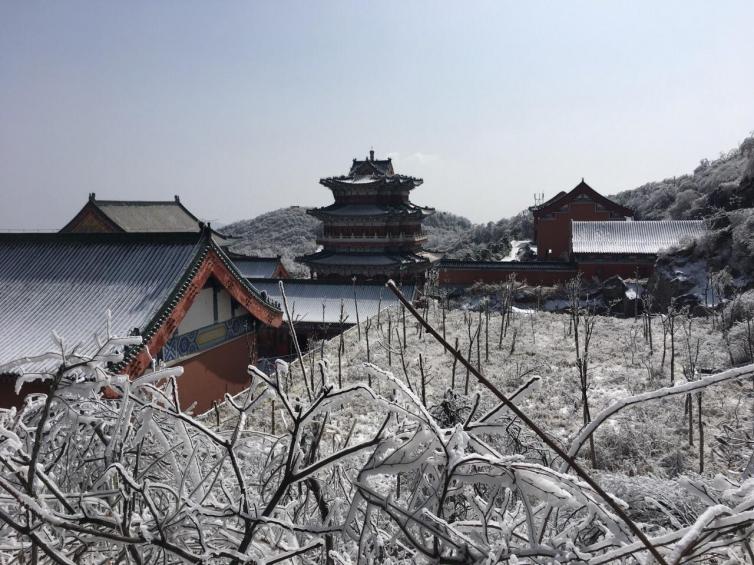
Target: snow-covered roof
[(634, 237), (137, 216), (67, 282), (306, 297), (369, 210), (258, 267), (149, 216), (372, 173)]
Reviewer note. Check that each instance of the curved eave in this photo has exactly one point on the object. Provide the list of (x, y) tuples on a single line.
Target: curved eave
[(327, 212), (165, 322), (319, 259), (394, 182)]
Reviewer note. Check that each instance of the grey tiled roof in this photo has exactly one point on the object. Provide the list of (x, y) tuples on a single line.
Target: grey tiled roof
[(361, 210), (377, 259), (637, 237), (372, 172), (137, 216), (66, 283), (305, 299)]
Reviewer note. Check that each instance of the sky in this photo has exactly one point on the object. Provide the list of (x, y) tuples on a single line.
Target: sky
[(241, 107)]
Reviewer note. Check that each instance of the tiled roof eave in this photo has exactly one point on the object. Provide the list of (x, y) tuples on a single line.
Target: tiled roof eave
[(179, 289), (400, 182), (204, 247)]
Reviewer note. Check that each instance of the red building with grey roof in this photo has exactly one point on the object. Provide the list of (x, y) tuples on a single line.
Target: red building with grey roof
[(552, 219)]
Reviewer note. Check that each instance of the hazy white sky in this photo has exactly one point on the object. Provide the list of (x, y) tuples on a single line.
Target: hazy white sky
[(240, 107)]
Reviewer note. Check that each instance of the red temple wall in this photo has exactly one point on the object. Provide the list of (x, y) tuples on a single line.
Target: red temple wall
[(469, 276), (554, 233), (213, 373), (206, 376), (624, 269), (8, 396)]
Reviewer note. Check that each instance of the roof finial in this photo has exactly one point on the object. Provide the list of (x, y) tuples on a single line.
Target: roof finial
[(371, 154), (92, 197)]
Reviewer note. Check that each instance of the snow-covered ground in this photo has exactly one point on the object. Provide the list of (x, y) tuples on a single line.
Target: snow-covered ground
[(643, 453), (650, 439), (516, 245)]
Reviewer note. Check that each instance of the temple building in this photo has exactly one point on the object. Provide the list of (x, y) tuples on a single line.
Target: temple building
[(179, 291), (372, 231), (164, 216), (580, 231), (552, 219)]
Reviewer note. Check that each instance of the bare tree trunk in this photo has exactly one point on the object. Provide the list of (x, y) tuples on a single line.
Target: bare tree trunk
[(356, 307), (379, 312), (455, 363), (272, 417), (672, 349), (486, 332), (582, 357), (294, 338), (424, 380), (341, 345), (665, 322), (690, 405), (701, 431), (443, 305), (403, 315), (513, 342), (479, 343), (366, 332)]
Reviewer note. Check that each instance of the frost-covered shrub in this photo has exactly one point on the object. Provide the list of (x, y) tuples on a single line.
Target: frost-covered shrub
[(655, 500), (452, 410), (295, 469)]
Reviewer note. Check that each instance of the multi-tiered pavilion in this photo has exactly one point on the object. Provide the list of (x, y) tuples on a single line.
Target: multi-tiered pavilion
[(372, 231)]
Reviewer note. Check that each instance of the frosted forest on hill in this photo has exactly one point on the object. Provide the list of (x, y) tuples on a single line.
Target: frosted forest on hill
[(382, 446)]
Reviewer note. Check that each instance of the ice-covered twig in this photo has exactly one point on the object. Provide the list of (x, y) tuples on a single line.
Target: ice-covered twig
[(599, 419)]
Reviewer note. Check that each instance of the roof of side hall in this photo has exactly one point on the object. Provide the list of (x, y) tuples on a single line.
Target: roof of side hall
[(317, 302), (135, 216), (67, 282), (637, 237), (580, 191)]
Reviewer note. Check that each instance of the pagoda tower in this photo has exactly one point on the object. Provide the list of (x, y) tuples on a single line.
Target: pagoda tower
[(372, 231)]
